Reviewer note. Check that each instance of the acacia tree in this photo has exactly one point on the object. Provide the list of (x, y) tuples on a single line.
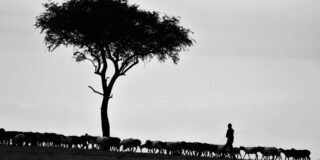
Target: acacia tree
[(112, 35)]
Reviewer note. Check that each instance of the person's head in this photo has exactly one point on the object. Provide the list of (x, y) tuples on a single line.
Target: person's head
[(229, 125)]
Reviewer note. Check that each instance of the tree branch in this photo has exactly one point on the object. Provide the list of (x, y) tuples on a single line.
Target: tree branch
[(114, 60), (125, 63), (94, 65), (128, 68), (96, 91), (97, 68)]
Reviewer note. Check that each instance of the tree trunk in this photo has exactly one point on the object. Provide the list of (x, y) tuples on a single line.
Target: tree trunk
[(107, 88), (104, 117)]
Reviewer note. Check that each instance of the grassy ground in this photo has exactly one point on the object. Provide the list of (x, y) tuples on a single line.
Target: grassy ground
[(41, 153)]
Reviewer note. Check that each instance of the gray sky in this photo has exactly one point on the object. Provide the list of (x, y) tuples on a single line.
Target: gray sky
[(256, 64)]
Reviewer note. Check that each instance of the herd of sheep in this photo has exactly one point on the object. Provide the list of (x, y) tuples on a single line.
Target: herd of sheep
[(153, 147)]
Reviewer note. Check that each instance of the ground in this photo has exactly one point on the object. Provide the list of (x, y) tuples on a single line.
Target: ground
[(44, 153)]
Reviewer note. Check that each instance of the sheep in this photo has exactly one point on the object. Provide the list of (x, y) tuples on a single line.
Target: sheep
[(100, 142), (91, 140), (46, 139), (2, 136), (69, 141), (186, 148), (109, 143), (267, 152), (249, 150), (212, 149), (153, 146), (9, 137), (18, 139), (237, 153), (113, 143), (59, 140), (173, 148), (203, 149), (31, 139), (26, 139), (287, 153), (79, 142), (296, 154), (198, 149), (221, 151), (192, 148), (301, 154), (131, 144), (66, 141), (43, 140)]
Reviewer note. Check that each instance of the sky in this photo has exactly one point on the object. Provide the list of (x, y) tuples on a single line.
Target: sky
[(255, 64)]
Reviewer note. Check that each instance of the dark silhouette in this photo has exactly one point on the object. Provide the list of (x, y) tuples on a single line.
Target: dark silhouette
[(295, 154), (268, 152), (248, 151), (131, 145), (230, 138), (112, 35), (88, 142)]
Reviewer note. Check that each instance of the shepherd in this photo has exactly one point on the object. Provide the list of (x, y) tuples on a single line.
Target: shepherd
[(230, 139)]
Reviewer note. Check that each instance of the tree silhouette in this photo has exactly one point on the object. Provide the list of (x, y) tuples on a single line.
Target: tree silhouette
[(114, 36)]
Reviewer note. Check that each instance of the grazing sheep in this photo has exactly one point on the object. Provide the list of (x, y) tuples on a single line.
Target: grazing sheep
[(47, 139), (220, 150), (201, 149), (92, 140), (213, 150), (2, 136), (57, 140), (186, 148), (18, 139), (109, 143), (79, 142), (204, 149), (131, 144), (31, 139), (9, 137), (51, 140), (173, 148), (237, 153), (154, 146), (43, 140), (249, 150), (100, 141), (113, 143), (192, 148), (287, 153), (198, 149), (301, 154), (66, 141), (268, 152)]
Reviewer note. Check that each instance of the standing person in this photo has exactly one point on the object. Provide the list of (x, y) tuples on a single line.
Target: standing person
[(230, 138)]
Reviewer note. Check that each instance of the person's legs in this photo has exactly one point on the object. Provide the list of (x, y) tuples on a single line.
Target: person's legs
[(231, 151), (224, 150)]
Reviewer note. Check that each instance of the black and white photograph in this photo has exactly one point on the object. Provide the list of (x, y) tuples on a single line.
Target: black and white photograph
[(160, 79)]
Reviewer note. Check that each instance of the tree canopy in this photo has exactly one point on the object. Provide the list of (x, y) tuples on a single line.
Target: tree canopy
[(124, 31)]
